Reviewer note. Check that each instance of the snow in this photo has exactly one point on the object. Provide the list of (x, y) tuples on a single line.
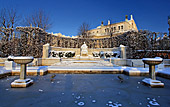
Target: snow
[(153, 59), (20, 83), (111, 104), (93, 101), (23, 57), (153, 83), (81, 104), (122, 46), (4, 71)]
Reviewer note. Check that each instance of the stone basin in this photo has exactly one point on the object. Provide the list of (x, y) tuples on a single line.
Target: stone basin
[(152, 80), (23, 59), (152, 61), (23, 81)]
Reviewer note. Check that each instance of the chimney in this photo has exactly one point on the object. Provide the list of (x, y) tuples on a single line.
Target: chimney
[(108, 22), (102, 23), (126, 18), (131, 17)]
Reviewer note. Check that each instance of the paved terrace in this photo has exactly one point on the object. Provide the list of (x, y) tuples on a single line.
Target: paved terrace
[(88, 90)]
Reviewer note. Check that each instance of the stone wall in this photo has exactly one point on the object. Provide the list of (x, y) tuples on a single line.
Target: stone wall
[(47, 49)]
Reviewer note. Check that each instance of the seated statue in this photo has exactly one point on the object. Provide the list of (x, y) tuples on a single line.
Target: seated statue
[(84, 51)]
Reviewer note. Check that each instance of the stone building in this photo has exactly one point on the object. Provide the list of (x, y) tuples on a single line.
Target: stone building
[(111, 30), (104, 36)]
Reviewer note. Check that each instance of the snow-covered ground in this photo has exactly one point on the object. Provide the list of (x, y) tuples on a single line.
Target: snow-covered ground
[(3, 70), (88, 66)]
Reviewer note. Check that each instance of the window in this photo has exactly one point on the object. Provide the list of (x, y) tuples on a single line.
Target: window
[(97, 31), (122, 27), (119, 27), (114, 28), (111, 29), (105, 30)]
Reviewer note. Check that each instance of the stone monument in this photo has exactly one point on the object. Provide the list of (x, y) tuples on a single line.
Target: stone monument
[(84, 51)]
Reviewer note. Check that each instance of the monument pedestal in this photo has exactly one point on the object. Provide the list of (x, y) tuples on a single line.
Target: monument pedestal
[(19, 83), (84, 53), (153, 83)]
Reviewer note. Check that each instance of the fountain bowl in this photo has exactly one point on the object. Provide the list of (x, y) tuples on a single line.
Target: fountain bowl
[(152, 80), (152, 61), (23, 59)]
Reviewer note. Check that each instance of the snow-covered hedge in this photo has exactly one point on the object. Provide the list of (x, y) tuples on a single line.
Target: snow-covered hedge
[(107, 54), (60, 54)]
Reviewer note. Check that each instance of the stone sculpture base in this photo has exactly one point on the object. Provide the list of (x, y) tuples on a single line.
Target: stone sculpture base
[(21, 83), (153, 83), (89, 57)]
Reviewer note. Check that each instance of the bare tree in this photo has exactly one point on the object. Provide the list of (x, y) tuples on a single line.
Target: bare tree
[(8, 20), (82, 30), (38, 19)]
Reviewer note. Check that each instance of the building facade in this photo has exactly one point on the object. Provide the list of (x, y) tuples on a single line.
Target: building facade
[(111, 30)]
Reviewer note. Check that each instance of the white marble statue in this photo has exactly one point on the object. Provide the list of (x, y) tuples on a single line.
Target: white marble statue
[(84, 50)]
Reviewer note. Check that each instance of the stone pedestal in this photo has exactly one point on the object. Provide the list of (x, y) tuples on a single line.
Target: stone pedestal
[(153, 83), (152, 80), (46, 49), (123, 51), (152, 72), (23, 81)]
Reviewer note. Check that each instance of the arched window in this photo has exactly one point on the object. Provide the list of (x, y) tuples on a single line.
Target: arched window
[(122, 27), (119, 27)]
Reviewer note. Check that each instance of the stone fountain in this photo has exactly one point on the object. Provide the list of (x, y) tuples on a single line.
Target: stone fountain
[(23, 81), (152, 80)]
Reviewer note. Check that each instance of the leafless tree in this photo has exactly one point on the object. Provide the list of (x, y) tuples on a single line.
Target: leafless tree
[(8, 20), (82, 30), (38, 19)]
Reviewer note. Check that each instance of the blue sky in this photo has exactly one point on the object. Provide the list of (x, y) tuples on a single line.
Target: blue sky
[(68, 15)]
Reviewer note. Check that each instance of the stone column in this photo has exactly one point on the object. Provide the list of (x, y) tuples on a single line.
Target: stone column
[(46, 49), (23, 71), (123, 51), (152, 72)]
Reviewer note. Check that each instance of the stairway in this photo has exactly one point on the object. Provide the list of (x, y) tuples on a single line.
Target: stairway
[(83, 63)]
